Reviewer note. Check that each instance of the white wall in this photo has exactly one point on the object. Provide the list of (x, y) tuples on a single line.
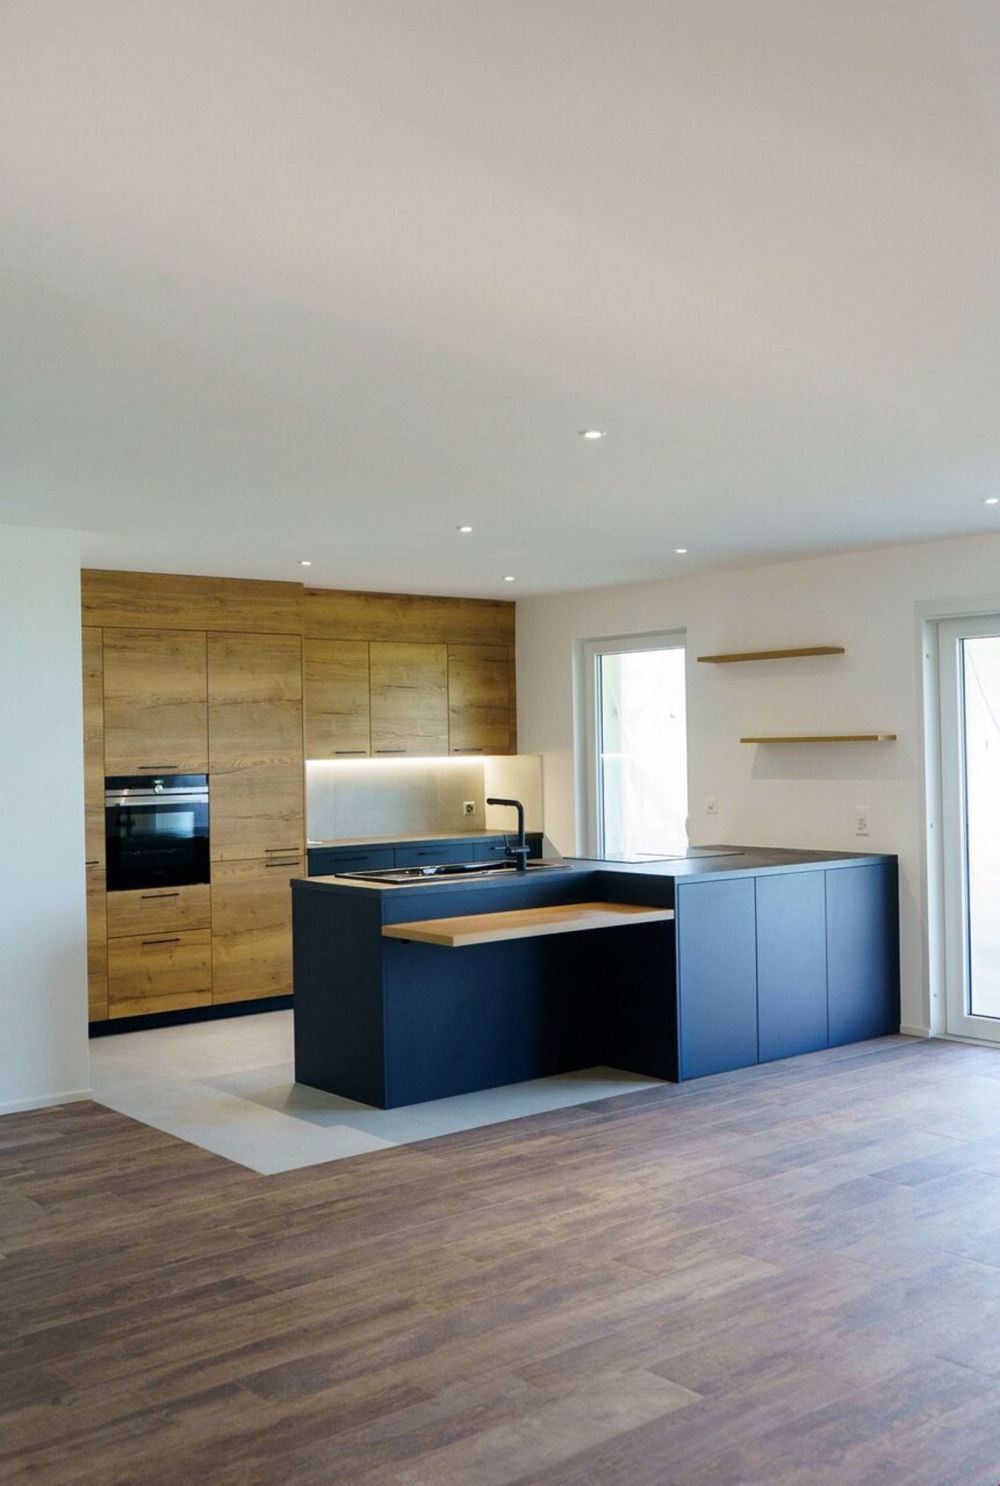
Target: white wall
[(875, 603), (43, 986)]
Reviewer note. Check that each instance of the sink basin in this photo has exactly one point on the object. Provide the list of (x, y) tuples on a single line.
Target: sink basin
[(444, 871)]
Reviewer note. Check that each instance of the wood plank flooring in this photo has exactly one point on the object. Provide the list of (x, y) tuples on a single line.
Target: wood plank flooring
[(783, 1276)]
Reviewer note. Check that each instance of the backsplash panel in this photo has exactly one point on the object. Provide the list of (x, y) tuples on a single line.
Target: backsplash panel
[(373, 797)]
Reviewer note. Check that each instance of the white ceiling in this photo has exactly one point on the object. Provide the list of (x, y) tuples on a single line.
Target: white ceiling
[(326, 278)]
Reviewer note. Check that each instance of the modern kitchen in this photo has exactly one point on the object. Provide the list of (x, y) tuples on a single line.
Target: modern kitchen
[(499, 721)]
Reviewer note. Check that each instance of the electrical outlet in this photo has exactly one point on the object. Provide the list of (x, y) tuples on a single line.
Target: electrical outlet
[(712, 806), (861, 820), (468, 807)]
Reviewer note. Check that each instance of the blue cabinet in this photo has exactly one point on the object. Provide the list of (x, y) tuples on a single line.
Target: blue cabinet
[(716, 976), (791, 964), (496, 847), (326, 860), (862, 944)]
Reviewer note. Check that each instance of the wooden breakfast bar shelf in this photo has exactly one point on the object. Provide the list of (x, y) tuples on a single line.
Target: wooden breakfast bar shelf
[(525, 923)]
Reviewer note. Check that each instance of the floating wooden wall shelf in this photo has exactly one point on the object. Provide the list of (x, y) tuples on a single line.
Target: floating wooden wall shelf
[(826, 738), (725, 660)]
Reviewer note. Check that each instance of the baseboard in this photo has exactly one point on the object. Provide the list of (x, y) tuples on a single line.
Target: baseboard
[(915, 1032), (47, 1101), (115, 1025)]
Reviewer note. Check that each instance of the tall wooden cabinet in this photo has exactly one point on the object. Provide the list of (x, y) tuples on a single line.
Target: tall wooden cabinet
[(244, 681), (93, 806)]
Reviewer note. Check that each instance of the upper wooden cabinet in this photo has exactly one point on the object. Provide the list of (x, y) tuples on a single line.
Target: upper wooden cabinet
[(155, 702), (341, 614), (256, 757), (409, 691), (479, 709), (338, 710)]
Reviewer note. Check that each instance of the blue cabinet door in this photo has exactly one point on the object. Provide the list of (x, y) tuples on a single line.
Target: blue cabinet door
[(862, 937), (325, 860), (716, 975), (433, 853), (791, 964)]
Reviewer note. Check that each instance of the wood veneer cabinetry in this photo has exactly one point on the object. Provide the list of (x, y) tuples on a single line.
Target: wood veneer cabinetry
[(155, 702), (479, 710), (337, 699), (159, 910), (159, 972), (255, 746), (252, 928), (409, 691), (93, 806)]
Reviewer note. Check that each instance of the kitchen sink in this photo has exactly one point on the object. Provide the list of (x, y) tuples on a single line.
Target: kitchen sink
[(444, 871)]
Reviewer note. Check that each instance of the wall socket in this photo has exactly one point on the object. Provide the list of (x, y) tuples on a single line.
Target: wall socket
[(861, 820), (712, 806), (468, 807)]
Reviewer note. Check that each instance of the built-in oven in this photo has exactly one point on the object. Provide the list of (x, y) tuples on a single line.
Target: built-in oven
[(156, 831)]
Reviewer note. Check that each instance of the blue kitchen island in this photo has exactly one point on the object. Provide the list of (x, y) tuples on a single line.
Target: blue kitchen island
[(674, 968)]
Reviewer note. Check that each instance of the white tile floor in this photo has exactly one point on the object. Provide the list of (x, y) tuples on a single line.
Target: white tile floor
[(229, 1087)]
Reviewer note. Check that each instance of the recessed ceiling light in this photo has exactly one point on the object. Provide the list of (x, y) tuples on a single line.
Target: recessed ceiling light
[(465, 530), (305, 562), (680, 551), (593, 433), (509, 578), (991, 500)]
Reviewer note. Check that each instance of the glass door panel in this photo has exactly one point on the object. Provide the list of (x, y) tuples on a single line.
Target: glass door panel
[(642, 752)]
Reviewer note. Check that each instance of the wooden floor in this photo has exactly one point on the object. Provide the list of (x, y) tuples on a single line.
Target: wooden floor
[(784, 1276)]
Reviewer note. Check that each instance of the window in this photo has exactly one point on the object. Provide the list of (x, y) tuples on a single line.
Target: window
[(637, 732)]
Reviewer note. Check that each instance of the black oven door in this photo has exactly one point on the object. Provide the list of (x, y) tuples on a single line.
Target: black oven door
[(156, 832)]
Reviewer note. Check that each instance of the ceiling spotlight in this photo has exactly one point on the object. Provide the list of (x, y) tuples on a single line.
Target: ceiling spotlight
[(991, 500), (465, 530), (509, 578), (305, 562), (593, 433), (680, 551)]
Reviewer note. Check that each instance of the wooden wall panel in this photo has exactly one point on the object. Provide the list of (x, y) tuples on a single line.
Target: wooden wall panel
[(337, 614), (177, 601)]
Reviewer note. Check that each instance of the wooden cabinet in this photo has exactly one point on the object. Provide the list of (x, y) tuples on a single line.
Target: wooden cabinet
[(97, 945), (152, 911), (93, 812), (255, 746), (337, 704), (479, 712), (409, 698), (252, 928), (155, 702), (161, 972)]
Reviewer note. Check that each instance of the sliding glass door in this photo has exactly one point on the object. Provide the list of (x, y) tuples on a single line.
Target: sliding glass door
[(970, 758), (638, 735)]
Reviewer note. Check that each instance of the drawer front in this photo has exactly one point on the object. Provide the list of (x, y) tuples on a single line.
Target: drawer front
[(430, 852), (155, 911), (325, 860), (159, 972)]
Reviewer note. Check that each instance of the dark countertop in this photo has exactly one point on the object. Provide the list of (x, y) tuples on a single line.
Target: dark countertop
[(732, 861)]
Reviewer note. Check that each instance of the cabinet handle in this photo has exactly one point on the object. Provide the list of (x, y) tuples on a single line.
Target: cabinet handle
[(159, 768), (272, 851), (176, 940), (144, 896), (292, 862), (96, 862), (355, 752), (391, 750), (466, 750)]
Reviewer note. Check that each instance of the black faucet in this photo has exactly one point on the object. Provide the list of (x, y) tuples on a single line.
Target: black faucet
[(521, 851)]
